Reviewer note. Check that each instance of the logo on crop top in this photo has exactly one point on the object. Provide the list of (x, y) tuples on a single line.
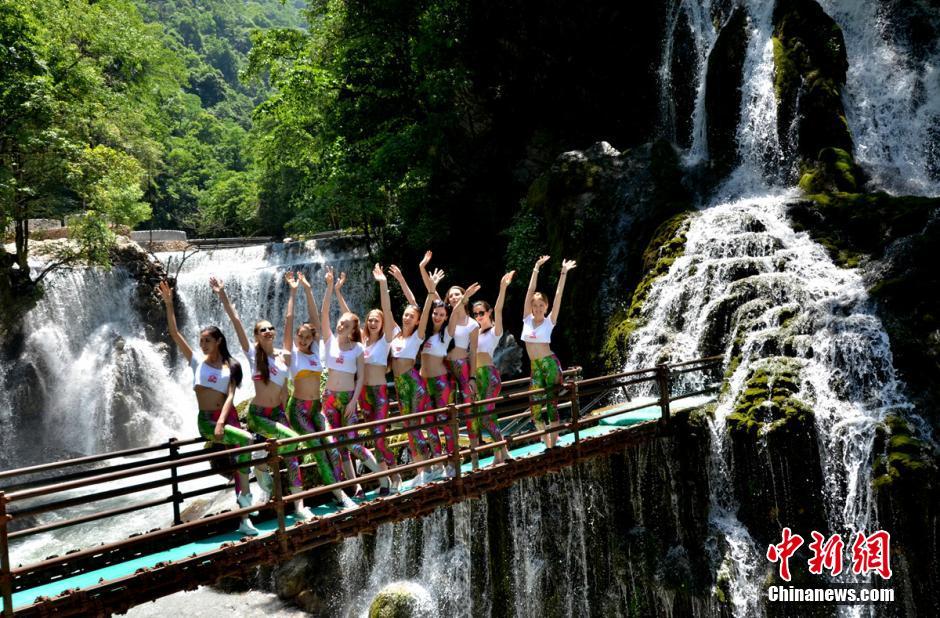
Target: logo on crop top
[(531, 335), (272, 370), (339, 359), (213, 378)]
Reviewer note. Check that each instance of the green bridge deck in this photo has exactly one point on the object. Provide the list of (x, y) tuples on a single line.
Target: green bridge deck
[(267, 528)]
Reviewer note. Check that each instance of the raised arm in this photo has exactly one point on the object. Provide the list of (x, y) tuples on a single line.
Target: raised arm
[(388, 320), (292, 282), (500, 301), (566, 265), (325, 309), (460, 311), (166, 292), (425, 313), (313, 312), (338, 288), (219, 288), (533, 282), (400, 278), (430, 282)]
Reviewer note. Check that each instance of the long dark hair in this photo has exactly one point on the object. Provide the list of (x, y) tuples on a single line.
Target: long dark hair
[(429, 327), (486, 307), (261, 358), (234, 367)]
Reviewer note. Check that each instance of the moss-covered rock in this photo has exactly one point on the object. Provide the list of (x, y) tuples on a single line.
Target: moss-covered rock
[(777, 472), (810, 67), (723, 91), (600, 207), (902, 232), (907, 495), (667, 244), (401, 600)]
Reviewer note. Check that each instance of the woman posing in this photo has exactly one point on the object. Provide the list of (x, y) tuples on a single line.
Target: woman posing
[(269, 370), (411, 387), (304, 411), (440, 385), (537, 327), (345, 381), (216, 375), (376, 339), (489, 381)]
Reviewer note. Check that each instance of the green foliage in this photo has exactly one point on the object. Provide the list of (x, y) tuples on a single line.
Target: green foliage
[(768, 402)]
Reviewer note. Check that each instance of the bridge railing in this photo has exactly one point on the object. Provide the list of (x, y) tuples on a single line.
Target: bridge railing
[(95, 484)]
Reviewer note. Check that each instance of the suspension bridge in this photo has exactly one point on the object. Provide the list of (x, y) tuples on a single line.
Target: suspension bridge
[(114, 576)]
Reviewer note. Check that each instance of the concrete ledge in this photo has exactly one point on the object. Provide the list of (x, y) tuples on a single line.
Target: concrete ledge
[(158, 235)]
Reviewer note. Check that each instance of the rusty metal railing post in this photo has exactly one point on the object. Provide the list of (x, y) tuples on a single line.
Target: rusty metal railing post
[(663, 381), (274, 468), (175, 486), (575, 413), (455, 460), (6, 576)]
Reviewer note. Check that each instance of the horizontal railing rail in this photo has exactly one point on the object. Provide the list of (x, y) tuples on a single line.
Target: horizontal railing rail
[(510, 405)]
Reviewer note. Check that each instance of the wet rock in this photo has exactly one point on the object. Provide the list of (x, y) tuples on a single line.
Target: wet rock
[(583, 208), (810, 68), (723, 91), (777, 471), (401, 600)]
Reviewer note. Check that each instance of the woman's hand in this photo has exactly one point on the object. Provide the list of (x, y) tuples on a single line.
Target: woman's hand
[(472, 289), (567, 265), (540, 261), (292, 280), (166, 293), (217, 285), (303, 280), (378, 274), (395, 272), (328, 276), (507, 278), (437, 276), (350, 409), (425, 260), (219, 430), (340, 281)]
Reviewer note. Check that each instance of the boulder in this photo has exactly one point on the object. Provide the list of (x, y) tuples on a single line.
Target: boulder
[(402, 600)]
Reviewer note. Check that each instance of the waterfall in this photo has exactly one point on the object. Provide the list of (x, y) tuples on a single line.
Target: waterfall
[(892, 95), (91, 381)]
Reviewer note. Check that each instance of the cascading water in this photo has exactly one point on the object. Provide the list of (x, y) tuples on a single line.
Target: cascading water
[(892, 95), (102, 385), (742, 252)]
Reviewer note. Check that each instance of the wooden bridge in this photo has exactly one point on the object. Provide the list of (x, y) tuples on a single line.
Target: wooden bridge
[(112, 577)]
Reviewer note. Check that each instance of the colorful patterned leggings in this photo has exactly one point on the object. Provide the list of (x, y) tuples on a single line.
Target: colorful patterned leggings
[(413, 397), (373, 401), (460, 369), (334, 407), (233, 435), (272, 423), (305, 416), (489, 384), (546, 373), (441, 391)]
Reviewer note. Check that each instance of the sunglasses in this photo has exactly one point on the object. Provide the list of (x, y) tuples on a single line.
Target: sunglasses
[(266, 329), (479, 314)]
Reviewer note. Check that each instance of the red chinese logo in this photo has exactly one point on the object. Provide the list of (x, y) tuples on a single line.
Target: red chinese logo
[(827, 554), (870, 553), (782, 551), (213, 378)]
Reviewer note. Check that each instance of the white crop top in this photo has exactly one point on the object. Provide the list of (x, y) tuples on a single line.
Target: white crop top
[(208, 376), (487, 342), (434, 346), (302, 364), (406, 348), (462, 333), (537, 334), (338, 359), (377, 353), (277, 369)]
